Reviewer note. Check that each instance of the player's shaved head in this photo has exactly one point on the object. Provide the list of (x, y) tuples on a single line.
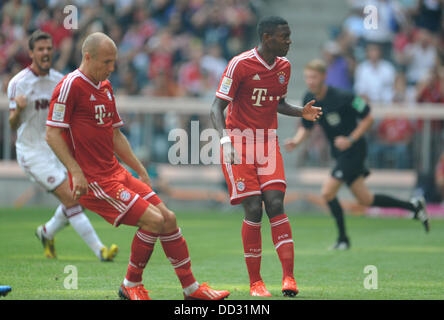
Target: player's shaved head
[(94, 42), (99, 54)]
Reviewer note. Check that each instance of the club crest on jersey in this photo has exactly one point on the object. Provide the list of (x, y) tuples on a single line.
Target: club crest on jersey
[(109, 95), (281, 77), (240, 184), (123, 195)]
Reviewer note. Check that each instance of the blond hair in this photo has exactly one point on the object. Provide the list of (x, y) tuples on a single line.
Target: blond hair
[(317, 65)]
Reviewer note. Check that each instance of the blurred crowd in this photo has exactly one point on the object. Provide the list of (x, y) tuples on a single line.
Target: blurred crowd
[(165, 47), (393, 57)]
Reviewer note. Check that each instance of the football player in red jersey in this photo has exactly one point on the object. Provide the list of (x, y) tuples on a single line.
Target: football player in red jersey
[(254, 88), (83, 130)]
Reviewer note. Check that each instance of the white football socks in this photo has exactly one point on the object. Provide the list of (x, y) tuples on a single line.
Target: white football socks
[(80, 222), (130, 284), (191, 288), (56, 223)]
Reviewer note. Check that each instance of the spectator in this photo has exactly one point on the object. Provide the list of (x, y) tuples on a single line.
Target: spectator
[(340, 68), (419, 57), (190, 76), (19, 12), (432, 88), (429, 15), (62, 39), (390, 18), (213, 64), (163, 85), (375, 77), (394, 137)]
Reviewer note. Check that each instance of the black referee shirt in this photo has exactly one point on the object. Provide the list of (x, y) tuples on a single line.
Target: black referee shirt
[(341, 111)]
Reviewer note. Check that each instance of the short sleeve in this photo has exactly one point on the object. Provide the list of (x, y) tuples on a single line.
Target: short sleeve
[(287, 76), (230, 80), (62, 104), (359, 106), (14, 90)]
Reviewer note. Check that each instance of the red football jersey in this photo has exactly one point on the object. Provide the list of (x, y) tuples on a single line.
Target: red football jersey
[(88, 112), (254, 89)]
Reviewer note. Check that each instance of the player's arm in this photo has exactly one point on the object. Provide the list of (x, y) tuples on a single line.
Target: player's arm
[(218, 119), (14, 114), (301, 135), (17, 103), (362, 109), (308, 112), (123, 150), (58, 144)]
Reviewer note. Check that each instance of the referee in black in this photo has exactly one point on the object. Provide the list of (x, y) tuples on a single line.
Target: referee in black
[(345, 119)]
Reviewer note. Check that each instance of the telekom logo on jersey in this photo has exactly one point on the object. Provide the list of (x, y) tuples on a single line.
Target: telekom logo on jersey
[(260, 95), (203, 147)]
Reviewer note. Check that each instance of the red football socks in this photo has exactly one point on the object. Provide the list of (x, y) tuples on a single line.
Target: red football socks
[(251, 238), (141, 250), (283, 242), (176, 250)]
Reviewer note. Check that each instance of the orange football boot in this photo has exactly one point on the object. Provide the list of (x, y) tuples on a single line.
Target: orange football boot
[(133, 293), (258, 289), (206, 293), (289, 287)]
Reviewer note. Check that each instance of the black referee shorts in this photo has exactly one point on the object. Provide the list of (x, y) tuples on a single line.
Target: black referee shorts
[(350, 166)]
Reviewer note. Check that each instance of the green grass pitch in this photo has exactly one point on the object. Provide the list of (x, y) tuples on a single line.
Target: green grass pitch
[(409, 262)]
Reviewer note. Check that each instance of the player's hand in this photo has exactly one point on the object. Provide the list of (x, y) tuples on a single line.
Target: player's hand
[(21, 102), (310, 112), (290, 145), (79, 185), (342, 143), (229, 154)]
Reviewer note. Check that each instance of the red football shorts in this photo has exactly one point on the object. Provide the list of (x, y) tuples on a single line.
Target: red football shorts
[(261, 169), (121, 198)]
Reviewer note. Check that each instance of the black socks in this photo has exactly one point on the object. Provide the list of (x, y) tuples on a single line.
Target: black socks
[(384, 201), (338, 214)]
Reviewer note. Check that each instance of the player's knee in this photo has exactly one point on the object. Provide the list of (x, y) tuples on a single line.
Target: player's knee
[(152, 220), (274, 207), (327, 195), (170, 220), (253, 212), (366, 200)]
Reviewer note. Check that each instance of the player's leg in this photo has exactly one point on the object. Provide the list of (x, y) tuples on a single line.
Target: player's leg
[(42, 168), (329, 191), (150, 222), (281, 233), (244, 189), (252, 243), (81, 224), (417, 205), (174, 245)]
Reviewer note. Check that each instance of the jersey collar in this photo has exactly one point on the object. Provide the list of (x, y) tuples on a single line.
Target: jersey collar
[(97, 86), (262, 60)]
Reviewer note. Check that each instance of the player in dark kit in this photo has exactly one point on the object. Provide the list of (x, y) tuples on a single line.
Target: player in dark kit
[(345, 119)]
